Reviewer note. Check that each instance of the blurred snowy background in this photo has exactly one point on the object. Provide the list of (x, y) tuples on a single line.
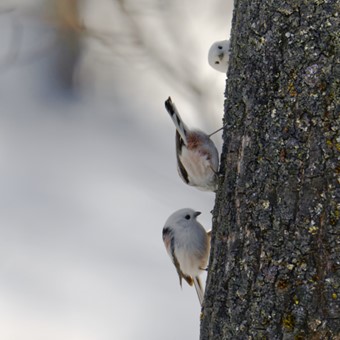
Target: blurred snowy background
[(87, 163)]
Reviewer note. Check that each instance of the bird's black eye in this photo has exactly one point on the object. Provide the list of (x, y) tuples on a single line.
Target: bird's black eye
[(220, 47), (187, 217), (217, 62)]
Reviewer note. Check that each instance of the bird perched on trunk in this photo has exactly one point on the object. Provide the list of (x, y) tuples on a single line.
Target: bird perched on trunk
[(188, 245), (197, 156), (218, 56)]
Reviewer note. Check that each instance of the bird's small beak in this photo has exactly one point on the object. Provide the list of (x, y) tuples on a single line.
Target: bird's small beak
[(197, 213), (221, 56)]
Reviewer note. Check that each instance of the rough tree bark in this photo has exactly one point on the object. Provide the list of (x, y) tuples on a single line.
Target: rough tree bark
[(274, 270)]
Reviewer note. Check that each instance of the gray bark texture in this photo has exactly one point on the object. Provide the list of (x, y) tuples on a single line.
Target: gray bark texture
[(274, 270)]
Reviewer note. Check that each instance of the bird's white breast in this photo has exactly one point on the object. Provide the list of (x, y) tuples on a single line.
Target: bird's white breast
[(200, 169)]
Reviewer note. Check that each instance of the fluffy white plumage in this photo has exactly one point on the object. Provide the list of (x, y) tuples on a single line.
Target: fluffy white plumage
[(188, 245), (218, 56)]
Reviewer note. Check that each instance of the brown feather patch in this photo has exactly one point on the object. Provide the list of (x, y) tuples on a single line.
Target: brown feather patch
[(194, 140)]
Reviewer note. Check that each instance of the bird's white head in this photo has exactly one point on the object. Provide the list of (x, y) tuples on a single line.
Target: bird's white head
[(218, 56), (182, 217)]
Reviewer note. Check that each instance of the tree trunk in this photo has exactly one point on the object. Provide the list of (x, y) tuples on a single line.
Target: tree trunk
[(274, 269)]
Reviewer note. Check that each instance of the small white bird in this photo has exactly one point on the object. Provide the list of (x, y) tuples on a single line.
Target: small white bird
[(188, 245), (197, 156), (218, 56)]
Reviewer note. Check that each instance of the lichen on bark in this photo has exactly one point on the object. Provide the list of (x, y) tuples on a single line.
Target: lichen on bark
[(274, 269)]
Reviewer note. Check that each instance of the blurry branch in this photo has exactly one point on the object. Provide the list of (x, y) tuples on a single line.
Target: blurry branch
[(62, 15), (179, 70), (13, 56), (6, 10), (14, 44), (67, 14), (128, 40)]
